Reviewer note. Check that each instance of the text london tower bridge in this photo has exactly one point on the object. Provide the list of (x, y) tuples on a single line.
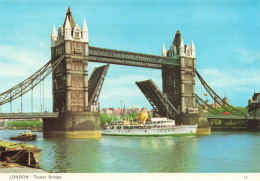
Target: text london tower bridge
[(75, 96)]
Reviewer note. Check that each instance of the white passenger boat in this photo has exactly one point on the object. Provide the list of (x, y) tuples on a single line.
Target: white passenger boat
[(156, 127)]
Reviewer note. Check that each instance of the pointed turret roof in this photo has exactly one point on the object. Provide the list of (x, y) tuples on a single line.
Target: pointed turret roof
[(54, 33), (256, 94), (163, 50), (181, 44), (67, 23), (84, 27), (71, 20), (177, 40), (192, 45)]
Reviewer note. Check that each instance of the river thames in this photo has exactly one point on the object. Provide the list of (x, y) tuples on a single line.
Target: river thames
[(220, 152)]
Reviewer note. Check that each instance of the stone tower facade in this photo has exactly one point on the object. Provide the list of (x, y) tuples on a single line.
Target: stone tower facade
[(179, 82), (70, 84), (70, 78)]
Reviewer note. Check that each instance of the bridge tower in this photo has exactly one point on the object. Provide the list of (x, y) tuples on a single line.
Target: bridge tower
[(70, 84), (179, 84), (179, 81)]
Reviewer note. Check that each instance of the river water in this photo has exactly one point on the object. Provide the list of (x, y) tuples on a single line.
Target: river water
[(219, 152)]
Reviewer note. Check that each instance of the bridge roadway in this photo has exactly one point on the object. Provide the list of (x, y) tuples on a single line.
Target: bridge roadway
[(29, 115), (233, 117)]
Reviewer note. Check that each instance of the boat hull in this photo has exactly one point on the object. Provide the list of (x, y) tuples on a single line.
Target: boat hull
[(22, 156), (187, 130), (24, 138)]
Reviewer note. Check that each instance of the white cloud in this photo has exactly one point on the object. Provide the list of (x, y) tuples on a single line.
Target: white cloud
[(247, 56), (14, 70), (119, 92), (232, 79), (18, 63), (129, 79), (22, 56)]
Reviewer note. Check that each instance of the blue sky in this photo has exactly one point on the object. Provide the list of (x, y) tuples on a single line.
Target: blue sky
[(226, 36)]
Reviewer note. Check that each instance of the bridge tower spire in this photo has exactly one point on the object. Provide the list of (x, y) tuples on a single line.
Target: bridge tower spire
[(67, 29), (163, 53), (193, 49), (84, 32), (181, 47), (54, 36)]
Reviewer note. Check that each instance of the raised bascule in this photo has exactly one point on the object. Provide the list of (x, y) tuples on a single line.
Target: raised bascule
[(75, 96)]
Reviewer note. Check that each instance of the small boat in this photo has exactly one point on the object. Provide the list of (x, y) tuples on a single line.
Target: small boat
[(36, 130), (155, 127), (20, 153), (24, 137)]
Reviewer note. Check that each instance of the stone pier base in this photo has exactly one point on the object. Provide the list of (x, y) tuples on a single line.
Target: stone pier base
[(72, 134), (254, 125), (199, 119), (72, 125), (203, 125)]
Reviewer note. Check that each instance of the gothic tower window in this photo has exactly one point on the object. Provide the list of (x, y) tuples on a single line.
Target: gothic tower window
[(76, 32)]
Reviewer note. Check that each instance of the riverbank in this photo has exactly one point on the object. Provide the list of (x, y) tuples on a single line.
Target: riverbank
[(16, 168), (34, 125)]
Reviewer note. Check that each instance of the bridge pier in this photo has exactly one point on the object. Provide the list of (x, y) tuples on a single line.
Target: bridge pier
[(72, 125), (199, 119), (254, 125)]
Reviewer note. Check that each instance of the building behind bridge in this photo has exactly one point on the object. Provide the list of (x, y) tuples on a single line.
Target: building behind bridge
[(123, 111), (254, 103), (215, 103)]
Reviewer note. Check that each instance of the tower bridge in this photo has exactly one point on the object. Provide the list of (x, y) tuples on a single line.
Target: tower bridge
[(75, 97)]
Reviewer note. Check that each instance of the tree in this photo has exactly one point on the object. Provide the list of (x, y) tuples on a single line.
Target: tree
[(104, 118), (133, 115)]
